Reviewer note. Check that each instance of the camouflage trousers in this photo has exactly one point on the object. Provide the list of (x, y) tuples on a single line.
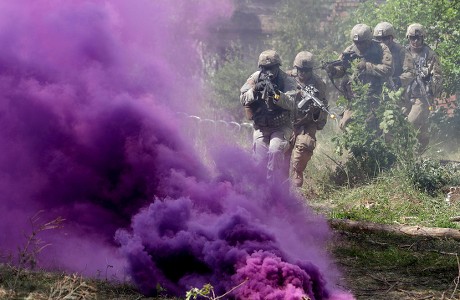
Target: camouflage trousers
[(270, 149), (418, 117), (305, 143)]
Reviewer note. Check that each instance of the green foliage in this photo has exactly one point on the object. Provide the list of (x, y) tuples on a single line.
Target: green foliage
[(226, 84), (391, 198), (376, 139), (207, 291), (302, 25), (431, 176)]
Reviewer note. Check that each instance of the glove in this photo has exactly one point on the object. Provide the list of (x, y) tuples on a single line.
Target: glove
[(425, 74), (330, 69), (259, 86), (361, 65)]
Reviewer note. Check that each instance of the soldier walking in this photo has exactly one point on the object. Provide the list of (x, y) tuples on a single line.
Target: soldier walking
[(426, 85), (309, 118), (268, 98), (373, 67), (403, 66)]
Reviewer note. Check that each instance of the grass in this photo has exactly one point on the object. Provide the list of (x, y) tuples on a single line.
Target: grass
[(389, 199), (38, 285), (383, 266)]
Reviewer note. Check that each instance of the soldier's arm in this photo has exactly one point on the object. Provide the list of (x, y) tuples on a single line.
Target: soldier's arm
[(383, 69), (287, 99), (339, 71), (408, 72), (247, 90)]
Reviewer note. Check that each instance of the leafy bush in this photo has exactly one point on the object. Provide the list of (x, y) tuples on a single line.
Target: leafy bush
[(374, 149), (432, 176), (226, 83)]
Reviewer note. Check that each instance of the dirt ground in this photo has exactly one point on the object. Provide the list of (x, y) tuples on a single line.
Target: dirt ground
[(375, 268)]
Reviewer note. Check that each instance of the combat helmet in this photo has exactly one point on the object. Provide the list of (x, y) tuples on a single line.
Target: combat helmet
[(361, 32), (304, 60), (384, 29), (415, 29), (269, 58)]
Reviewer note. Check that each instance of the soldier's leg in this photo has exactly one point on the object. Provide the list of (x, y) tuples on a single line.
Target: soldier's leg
[(277, 158), (260, 144), (418, 118), (303, 151)]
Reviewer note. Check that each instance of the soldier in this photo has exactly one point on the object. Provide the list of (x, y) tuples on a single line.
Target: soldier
[(374, 66), (268, 98), (307, 120), (427, 84), (403, 66)]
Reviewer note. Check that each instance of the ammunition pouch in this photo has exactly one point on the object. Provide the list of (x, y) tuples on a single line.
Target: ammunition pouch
[(248, 112), (272, 119)]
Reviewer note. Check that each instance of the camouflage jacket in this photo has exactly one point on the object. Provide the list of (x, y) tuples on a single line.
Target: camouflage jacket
[(426, 61), (403, 66), (379, 66), (267, 110)]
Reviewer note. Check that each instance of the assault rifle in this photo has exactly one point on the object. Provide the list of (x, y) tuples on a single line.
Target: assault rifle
[(423, 80), (269, 89), (345, 61), (309, 100), (266, 95)]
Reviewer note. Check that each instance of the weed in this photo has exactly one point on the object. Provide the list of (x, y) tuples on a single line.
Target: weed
[(72, 287), (207, 292), (28, 254)]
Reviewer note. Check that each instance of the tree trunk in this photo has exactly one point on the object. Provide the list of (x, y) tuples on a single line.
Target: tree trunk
[(418, 231)]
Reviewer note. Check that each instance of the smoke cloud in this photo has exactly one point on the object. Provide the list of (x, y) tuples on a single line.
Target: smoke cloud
[(89, 131)]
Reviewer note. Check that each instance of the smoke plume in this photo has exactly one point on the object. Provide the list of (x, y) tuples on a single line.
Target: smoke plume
[(89, 95)]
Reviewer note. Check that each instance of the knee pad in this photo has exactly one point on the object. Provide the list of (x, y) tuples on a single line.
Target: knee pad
[(305, 143)]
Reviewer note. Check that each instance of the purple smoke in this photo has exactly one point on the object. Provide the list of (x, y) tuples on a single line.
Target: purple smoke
[(89, 92)]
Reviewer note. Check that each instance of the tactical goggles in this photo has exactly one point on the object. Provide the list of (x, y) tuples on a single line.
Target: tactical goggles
[(304, 70), (414, 37), (360, 42), (269, 68), (382, 38)]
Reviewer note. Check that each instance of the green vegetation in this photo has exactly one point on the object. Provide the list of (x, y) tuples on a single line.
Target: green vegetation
[(389, 199), (381, 267)]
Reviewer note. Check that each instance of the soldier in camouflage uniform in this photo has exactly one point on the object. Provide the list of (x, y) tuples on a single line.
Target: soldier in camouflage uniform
[(403, 66), (427, 84), (374, 67), (306, 121), (268, 98)]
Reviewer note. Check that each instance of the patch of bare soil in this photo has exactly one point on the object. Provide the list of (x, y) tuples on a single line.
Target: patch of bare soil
[(378, 267)]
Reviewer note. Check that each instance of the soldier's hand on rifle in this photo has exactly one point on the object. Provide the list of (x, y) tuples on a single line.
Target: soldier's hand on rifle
[(425, 73), (361, 65), (259, 86), (330, 69)]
